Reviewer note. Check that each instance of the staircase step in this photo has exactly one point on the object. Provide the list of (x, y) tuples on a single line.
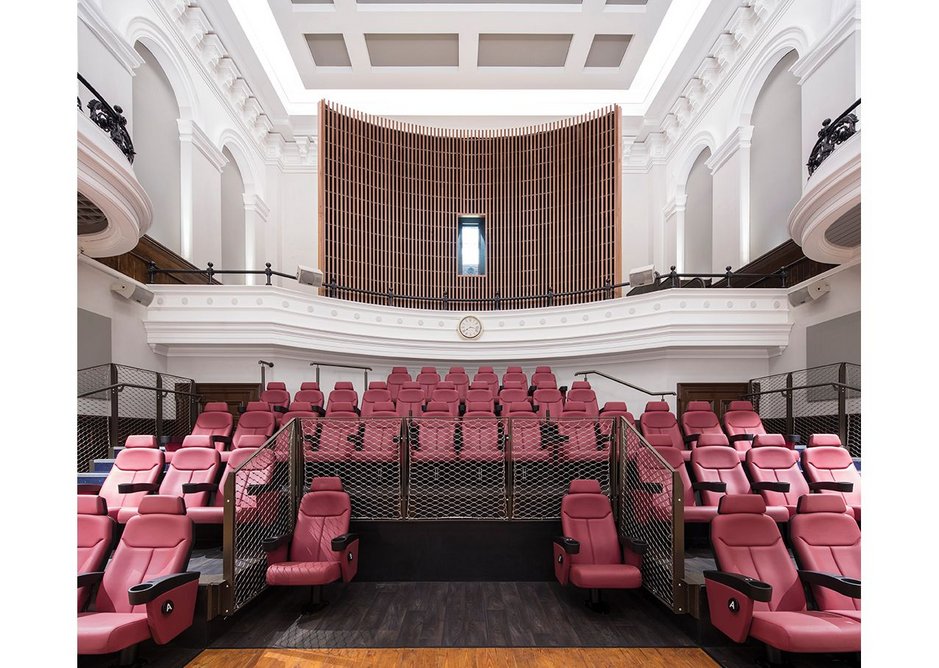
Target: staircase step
[(102, 465), (96, 478)]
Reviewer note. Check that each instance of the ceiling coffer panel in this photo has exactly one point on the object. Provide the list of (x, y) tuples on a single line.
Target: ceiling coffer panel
[(413, 50), (328, 50), (607, 50), (523, 50)]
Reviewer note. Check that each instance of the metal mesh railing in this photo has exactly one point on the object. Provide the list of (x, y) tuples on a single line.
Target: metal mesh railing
[(92, 439), (650, 509), (853, 409)]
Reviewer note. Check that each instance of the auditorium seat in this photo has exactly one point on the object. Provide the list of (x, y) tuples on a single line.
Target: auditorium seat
[(436, 433), (338, 431), (774, 470), (590, 554), (381, 435), (428, 379), (582, 392), (612, 410), (693, 512), (756, 591), (311, 393), (251, 505), (191, 475), (826, 539), (257, 420), (718, 471), (513, 392), (277, 396), (741, 423), (548, 400), (399, 376), (446, 393), (527, 444), (659, 419), (144, 591), (343, 393), (479, 392), (95, 536), (377, 393), (216, 421), (830, 470), (699, 418), (139, 464), (460, 380), (514, 374), (299, 409), (481, 439), (487, 375), (543, 374), (410, 400), (320, 550), (577, 435)]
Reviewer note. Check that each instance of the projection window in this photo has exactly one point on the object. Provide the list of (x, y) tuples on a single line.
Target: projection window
[(471, 246)]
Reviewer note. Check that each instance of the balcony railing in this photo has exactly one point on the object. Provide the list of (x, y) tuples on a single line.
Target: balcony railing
[(832, 134), (108, 118)]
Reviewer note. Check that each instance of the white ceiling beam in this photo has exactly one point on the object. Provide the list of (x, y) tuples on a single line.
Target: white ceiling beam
[(469, 50)]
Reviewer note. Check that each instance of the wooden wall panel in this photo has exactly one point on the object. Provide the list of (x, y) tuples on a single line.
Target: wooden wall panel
[(391, 193)]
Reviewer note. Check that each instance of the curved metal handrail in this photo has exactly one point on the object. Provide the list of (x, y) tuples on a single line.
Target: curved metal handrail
[(831, 135), (623, 382), (110, 119)]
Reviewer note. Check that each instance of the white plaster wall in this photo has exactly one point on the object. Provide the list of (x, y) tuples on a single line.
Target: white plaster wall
[(233, 221), (105, 73), (830, 89), (206, 212), (699, 216), (296, 218), (637, 221)]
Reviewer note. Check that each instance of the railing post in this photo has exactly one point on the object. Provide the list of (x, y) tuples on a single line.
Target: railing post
[(296, 472), (391, 297), (210, 272), (331, 287), (159, 407), (228, 545), (151, 271), (842, 404), (268, 272), (115, 412), (790, 419), (509, 469), (727, 275), (673, 278), (607, 288), (498, 302), (550, 297), (445, 302)]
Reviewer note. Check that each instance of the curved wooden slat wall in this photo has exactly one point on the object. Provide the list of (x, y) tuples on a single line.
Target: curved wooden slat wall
[(390, 194)]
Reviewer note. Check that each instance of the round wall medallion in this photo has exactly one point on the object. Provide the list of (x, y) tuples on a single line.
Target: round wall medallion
[(470, 327)]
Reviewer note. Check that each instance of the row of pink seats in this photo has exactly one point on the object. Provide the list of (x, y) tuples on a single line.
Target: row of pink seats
[(429, 378)]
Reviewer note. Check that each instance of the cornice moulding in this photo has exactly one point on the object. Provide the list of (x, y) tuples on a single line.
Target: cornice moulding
[(190, 132), (738, 139), (124, 53), (822, 50)]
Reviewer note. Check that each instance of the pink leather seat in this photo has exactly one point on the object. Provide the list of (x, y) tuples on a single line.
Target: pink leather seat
[(487, 375), (136, 470), (756, 591), (612, 410), (582, 392), (277, 396), (310, 393), (410, 400), (577, 433), (662, 504), (216, 421), (144, 591), (514, 374), (381, 436), (513, 392), (742, 423), (321, 550), (699, 418), (589, 554), (251, 504), (446, 393), (428, 379), (830, 470), (399, 376), (527, 444), (774, 470), (95, 535), (257, 420), (436, 435), (343, 393), (377, 393), (543, 374), (659, 419), (339, 431), (718, 471), (481, 434), (479, 392), (460, 380), (549, 400)]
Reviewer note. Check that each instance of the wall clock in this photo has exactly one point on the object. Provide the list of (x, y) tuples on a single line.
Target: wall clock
[(470, 327)]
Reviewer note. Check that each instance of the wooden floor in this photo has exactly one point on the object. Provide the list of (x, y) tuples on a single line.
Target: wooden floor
[(511, 657)]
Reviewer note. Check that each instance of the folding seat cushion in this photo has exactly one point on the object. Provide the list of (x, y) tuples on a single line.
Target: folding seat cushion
[(742, 423), (612, 410), (428, 379), (830, 470), (446, 393), (513, 392), (588, 555), (548, 400), (526, 429), (321, 549), (479, 392), (410, 400), (399, 376), (757, 592), (377, 393), (774, 470), (343, 393), (577, 434), (693, 512), (514, 374), (191, 475), (339, 431), (481, 434), (582, 392), (543, 374), (311, 393), (488, 376), (659, 419), (257, 420), (460, 380), (95, 535), (381, 435), (144, 591), (718, 471), (699, 418), (277, 396), (136, 470), (825, 538), (436, 433), (251, 505)]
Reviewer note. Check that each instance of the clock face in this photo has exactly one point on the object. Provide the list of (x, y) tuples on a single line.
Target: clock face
[(470, 327)]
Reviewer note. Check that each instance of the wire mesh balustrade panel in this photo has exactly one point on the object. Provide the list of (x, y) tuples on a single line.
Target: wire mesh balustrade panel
[(263, 508), (178, 409), (94, 416), (365, 453), (771, 406), (136, 406), (547, 454), (457, 468), (647, 497), (853, 408), (815, 409)]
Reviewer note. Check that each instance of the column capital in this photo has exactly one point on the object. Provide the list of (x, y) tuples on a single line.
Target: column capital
[(191, 133), (738, 139)]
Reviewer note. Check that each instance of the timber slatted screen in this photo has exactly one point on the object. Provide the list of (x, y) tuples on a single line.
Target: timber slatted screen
[(391, 193)]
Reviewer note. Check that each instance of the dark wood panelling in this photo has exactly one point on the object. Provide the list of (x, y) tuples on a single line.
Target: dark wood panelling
[(719, 394), (787, 255), (391, 194), (233, 394), (134, 263)]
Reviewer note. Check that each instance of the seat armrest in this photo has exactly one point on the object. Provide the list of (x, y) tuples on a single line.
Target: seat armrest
[(741, 437), (224, 440), (691, 438), (749, 587), (271, 544), (636, 545), (770, 486), (88, 488), (343, 541), (132, 487), (90, 579), (279, 409), (143, 593), (569, 545), (831, 486), (839, 583), (193, 487), (262, 487), (709, 486)]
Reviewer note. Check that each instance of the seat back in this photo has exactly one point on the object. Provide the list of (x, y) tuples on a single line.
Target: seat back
[(578, 432), (299, 409), (410, 400), (311, 393), (95, 533), (549, 400), (543, 374), (586, 516), (480, 430), (191, 464), (445, 393), (488, 376), (527, 444), (747, 541), (156, 541), (436, 434), (718, 463), (323, 514), (343, 393), (399, 376), (514, 374), (478, 393), (381, 435), (460, 380), (677, 461), (260, 471), (338, 430), (659, 419), (276, 394), (769, 460), (140, 461), (513, 392), (824, 460), (700, 418), (740, 418), (825, 538), (257, 420), (615, 409), (217, 422), (374, 395), (428, 379), (582, 392)]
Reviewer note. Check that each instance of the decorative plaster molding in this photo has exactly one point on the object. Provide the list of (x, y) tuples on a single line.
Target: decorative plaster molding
[(256, 205), (849, 24), (676, 206), (90, 14), (190, 132), (738, 139)]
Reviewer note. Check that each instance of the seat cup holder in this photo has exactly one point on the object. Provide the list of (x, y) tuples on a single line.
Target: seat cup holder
[(142, 587), (760, 585)]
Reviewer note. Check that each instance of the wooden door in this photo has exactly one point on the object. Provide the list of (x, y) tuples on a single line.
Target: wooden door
[(719, 394)]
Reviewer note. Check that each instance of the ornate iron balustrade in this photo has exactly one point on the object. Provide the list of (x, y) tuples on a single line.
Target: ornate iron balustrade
[(832, 134), (110, 119)]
